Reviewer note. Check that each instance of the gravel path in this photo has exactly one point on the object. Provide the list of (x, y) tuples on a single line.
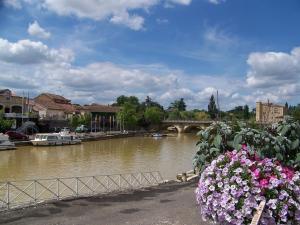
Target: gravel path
[(167, 204)]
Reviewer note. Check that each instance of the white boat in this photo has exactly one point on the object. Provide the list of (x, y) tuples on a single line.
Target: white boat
[(157, 135), (69, 139), (47, 139), (62, 138), (5, 143)]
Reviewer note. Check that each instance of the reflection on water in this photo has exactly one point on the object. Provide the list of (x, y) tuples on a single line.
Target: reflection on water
[(169, 155)]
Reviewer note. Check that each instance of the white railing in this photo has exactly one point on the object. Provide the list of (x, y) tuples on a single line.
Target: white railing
[(15, 194)]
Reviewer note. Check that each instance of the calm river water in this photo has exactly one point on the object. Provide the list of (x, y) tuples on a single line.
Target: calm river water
[(170, 155)]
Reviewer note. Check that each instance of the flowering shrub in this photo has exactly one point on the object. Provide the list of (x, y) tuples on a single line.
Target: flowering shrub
[(232, 186), (280, 141)]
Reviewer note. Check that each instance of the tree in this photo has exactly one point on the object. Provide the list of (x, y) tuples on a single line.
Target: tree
[(246, 112), (150, 103), (212, 108), (154, 115), (121, 100), (201, 115), (187, 115), (178, 105), (128, 115), (174, 114)]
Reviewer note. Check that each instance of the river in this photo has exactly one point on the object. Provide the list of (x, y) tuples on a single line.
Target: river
[(169, 155)]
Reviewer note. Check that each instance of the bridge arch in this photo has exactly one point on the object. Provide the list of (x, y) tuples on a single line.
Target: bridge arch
[(183, 126)]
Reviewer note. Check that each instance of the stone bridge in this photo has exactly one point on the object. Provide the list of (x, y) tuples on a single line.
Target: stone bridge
[(184, 125)]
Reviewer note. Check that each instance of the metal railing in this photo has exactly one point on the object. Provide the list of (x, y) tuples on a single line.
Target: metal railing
[(15, 194)]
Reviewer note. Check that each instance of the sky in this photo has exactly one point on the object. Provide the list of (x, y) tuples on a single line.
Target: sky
[(96, 50)]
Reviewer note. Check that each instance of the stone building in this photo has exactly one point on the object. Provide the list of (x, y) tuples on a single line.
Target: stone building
[(269, 112), (53, 107), (17, 108)]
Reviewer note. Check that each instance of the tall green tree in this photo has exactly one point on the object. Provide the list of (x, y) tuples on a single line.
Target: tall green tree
[(150, 103), (121, 100), (246, 112), (154, 115), (128, 116), (212, 108), (178, 105)]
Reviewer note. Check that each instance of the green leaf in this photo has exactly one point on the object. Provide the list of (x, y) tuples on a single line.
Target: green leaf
[(277, 148), (217, 141), (284, 130), (298, 158), (237, 141), (295, 144), (212, 150), (279, 156)]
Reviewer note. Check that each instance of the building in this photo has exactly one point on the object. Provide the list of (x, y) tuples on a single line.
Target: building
[(18, 108), (269, 112), (103, 117), (53, 107)]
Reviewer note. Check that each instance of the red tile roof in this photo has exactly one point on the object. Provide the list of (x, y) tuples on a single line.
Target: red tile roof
[(55, 102), (100, 108)]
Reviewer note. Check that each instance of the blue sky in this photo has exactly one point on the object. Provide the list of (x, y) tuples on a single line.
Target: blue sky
[(93, 51)]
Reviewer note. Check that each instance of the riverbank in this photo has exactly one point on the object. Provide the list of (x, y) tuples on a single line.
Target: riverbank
[(167, 204), (101, 136), (93, 137)]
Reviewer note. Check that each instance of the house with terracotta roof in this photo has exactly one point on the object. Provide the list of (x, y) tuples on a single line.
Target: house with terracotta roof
[(53, 107)]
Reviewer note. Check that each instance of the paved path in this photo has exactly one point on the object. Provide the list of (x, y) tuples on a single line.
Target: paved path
[(168, 204)]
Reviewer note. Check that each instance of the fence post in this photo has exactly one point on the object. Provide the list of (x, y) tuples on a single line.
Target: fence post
[(34, 190), (93, 180), (7, 195), (77, 186), (57, 188)]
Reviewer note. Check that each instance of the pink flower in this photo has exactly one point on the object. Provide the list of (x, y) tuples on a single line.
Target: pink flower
[(263, 183), (288, 172), (256, 172)]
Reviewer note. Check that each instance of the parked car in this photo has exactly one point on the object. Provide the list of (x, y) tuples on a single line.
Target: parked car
[(81, 129), (14, 135), (65, 130)]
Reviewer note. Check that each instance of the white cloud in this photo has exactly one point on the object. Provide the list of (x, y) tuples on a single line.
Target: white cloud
[(273, 76), (216, 36), (216, 2), (16, 4), (132, 21), (98, 10), (117, 12), (44, 71), (35, 29), (273, 69), (30, 52), (181, 2)]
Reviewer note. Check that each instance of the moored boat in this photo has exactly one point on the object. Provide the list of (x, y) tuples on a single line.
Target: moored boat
[(70, 139), (5, 143), (158, 135), (62, 138), (47, 139)]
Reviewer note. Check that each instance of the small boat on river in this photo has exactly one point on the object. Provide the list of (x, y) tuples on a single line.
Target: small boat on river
[(5, 143), (55, 139), (158, 135)]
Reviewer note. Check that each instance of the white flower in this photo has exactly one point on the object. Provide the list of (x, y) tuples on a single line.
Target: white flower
[(212, 188)]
